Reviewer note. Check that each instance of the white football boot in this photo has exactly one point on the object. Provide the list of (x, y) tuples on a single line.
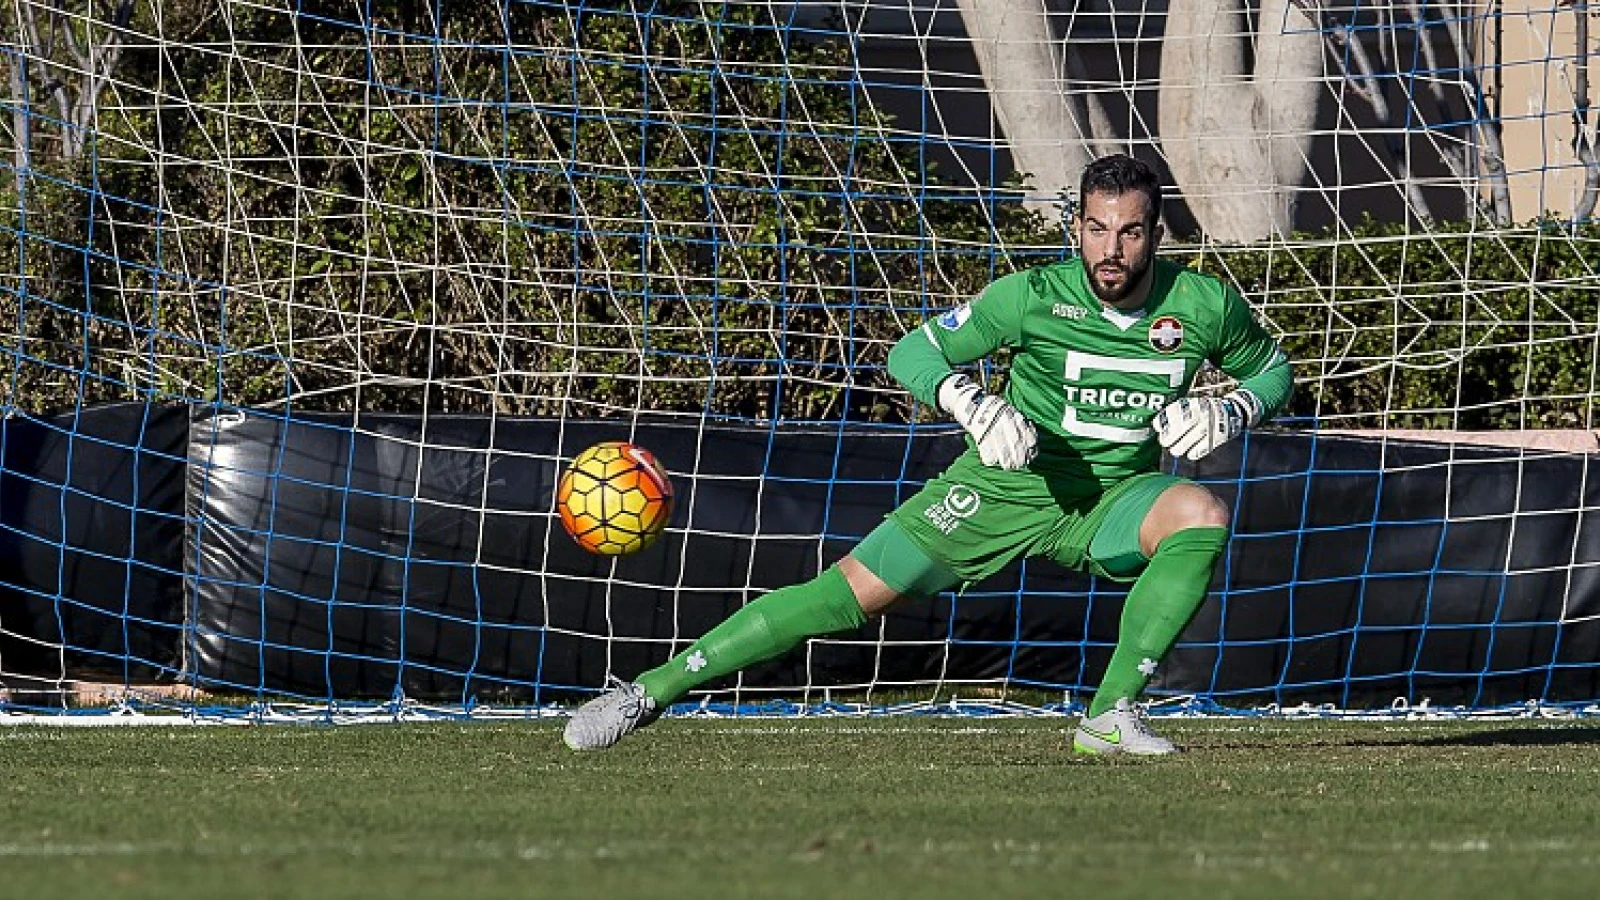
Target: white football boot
[(1121, 729), (610, 717)]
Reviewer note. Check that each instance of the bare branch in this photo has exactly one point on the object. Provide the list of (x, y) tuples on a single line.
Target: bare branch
[(1363, 81), (103, 60), (1485, 124), (53, 88), (93, 64), (1454, 160), (1375, 91), (1353, 82), (60, 20), (1483, 133), (30, 29), (22, 132), (1582, 142)]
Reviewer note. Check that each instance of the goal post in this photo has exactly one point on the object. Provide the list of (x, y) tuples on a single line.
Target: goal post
[(305, 306)]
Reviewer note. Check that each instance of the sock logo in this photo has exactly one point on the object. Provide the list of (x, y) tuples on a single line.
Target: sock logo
[(1147, 667), (696, 661)]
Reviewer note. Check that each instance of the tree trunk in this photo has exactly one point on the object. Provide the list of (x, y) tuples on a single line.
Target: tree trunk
[(1049, 129), (1290, 78), (1237, 143)]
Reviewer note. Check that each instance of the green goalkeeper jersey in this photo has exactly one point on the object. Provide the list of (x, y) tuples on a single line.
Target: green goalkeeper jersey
[(1091, 378)]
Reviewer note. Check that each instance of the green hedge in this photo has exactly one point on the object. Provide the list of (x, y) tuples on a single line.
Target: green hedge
[(1441, 330)]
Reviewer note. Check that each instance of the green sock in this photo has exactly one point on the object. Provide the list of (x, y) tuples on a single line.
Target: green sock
[(768, 627), (1163, 600)]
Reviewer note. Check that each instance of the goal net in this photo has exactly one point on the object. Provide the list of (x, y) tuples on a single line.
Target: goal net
[(306, 305)]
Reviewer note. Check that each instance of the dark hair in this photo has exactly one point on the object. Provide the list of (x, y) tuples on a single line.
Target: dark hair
[(1117, 174)]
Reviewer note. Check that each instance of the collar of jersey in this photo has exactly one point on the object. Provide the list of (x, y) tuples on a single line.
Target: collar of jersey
[(1123, 320)]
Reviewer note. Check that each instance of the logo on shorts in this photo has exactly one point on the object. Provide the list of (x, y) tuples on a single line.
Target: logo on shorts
[(1166, 334), (955, 318), (959, 503), (961, 500)]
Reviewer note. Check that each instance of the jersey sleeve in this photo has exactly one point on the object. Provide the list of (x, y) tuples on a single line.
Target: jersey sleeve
[(1251, 357), (925, 356), (1244, 349), (976, 329)]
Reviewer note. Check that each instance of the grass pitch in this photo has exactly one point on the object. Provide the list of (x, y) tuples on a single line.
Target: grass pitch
[(882, 808)]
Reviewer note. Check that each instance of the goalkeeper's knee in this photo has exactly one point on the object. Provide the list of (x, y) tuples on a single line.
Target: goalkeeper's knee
[(1181, 507)]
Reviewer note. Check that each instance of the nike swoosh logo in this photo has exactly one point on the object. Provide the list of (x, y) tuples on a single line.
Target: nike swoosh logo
[(1112, 737)]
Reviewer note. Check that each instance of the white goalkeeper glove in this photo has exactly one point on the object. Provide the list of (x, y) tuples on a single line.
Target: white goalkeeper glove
[(1192, 427), (1006, 439)]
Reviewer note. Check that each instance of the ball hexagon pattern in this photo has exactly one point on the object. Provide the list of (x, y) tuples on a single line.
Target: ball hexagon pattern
[(614, 499)]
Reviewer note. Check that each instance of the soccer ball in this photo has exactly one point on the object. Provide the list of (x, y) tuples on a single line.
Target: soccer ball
[(614, 499)]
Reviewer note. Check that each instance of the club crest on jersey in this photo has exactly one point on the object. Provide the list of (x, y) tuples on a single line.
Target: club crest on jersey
[(1166, 334), (955, 318)]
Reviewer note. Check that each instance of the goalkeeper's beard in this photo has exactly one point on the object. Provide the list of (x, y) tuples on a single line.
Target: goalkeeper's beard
[(1133, 276)]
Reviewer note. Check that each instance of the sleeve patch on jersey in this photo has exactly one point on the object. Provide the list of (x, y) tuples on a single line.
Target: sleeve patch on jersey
[(955, 318)]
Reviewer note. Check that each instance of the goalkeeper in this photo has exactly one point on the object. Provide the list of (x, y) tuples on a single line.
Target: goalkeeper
[(1063, 464)]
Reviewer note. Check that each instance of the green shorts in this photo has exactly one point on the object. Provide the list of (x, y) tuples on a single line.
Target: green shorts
[(970, 522)]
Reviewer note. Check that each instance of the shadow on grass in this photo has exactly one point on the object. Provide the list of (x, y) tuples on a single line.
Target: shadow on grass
[(1394, 735), (1517, 737), (1495, 737)]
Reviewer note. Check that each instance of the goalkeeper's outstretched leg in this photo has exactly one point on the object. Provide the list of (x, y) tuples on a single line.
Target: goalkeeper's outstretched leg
[(840, 599), (1167, 531)]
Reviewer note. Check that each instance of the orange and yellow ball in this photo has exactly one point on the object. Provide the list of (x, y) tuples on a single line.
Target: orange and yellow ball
[(614, 499)]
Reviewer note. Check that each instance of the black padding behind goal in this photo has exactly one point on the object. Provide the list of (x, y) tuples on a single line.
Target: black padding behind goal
[(332, 558)]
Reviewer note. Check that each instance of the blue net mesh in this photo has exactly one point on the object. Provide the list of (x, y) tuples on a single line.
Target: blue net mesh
[(307, 305)]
